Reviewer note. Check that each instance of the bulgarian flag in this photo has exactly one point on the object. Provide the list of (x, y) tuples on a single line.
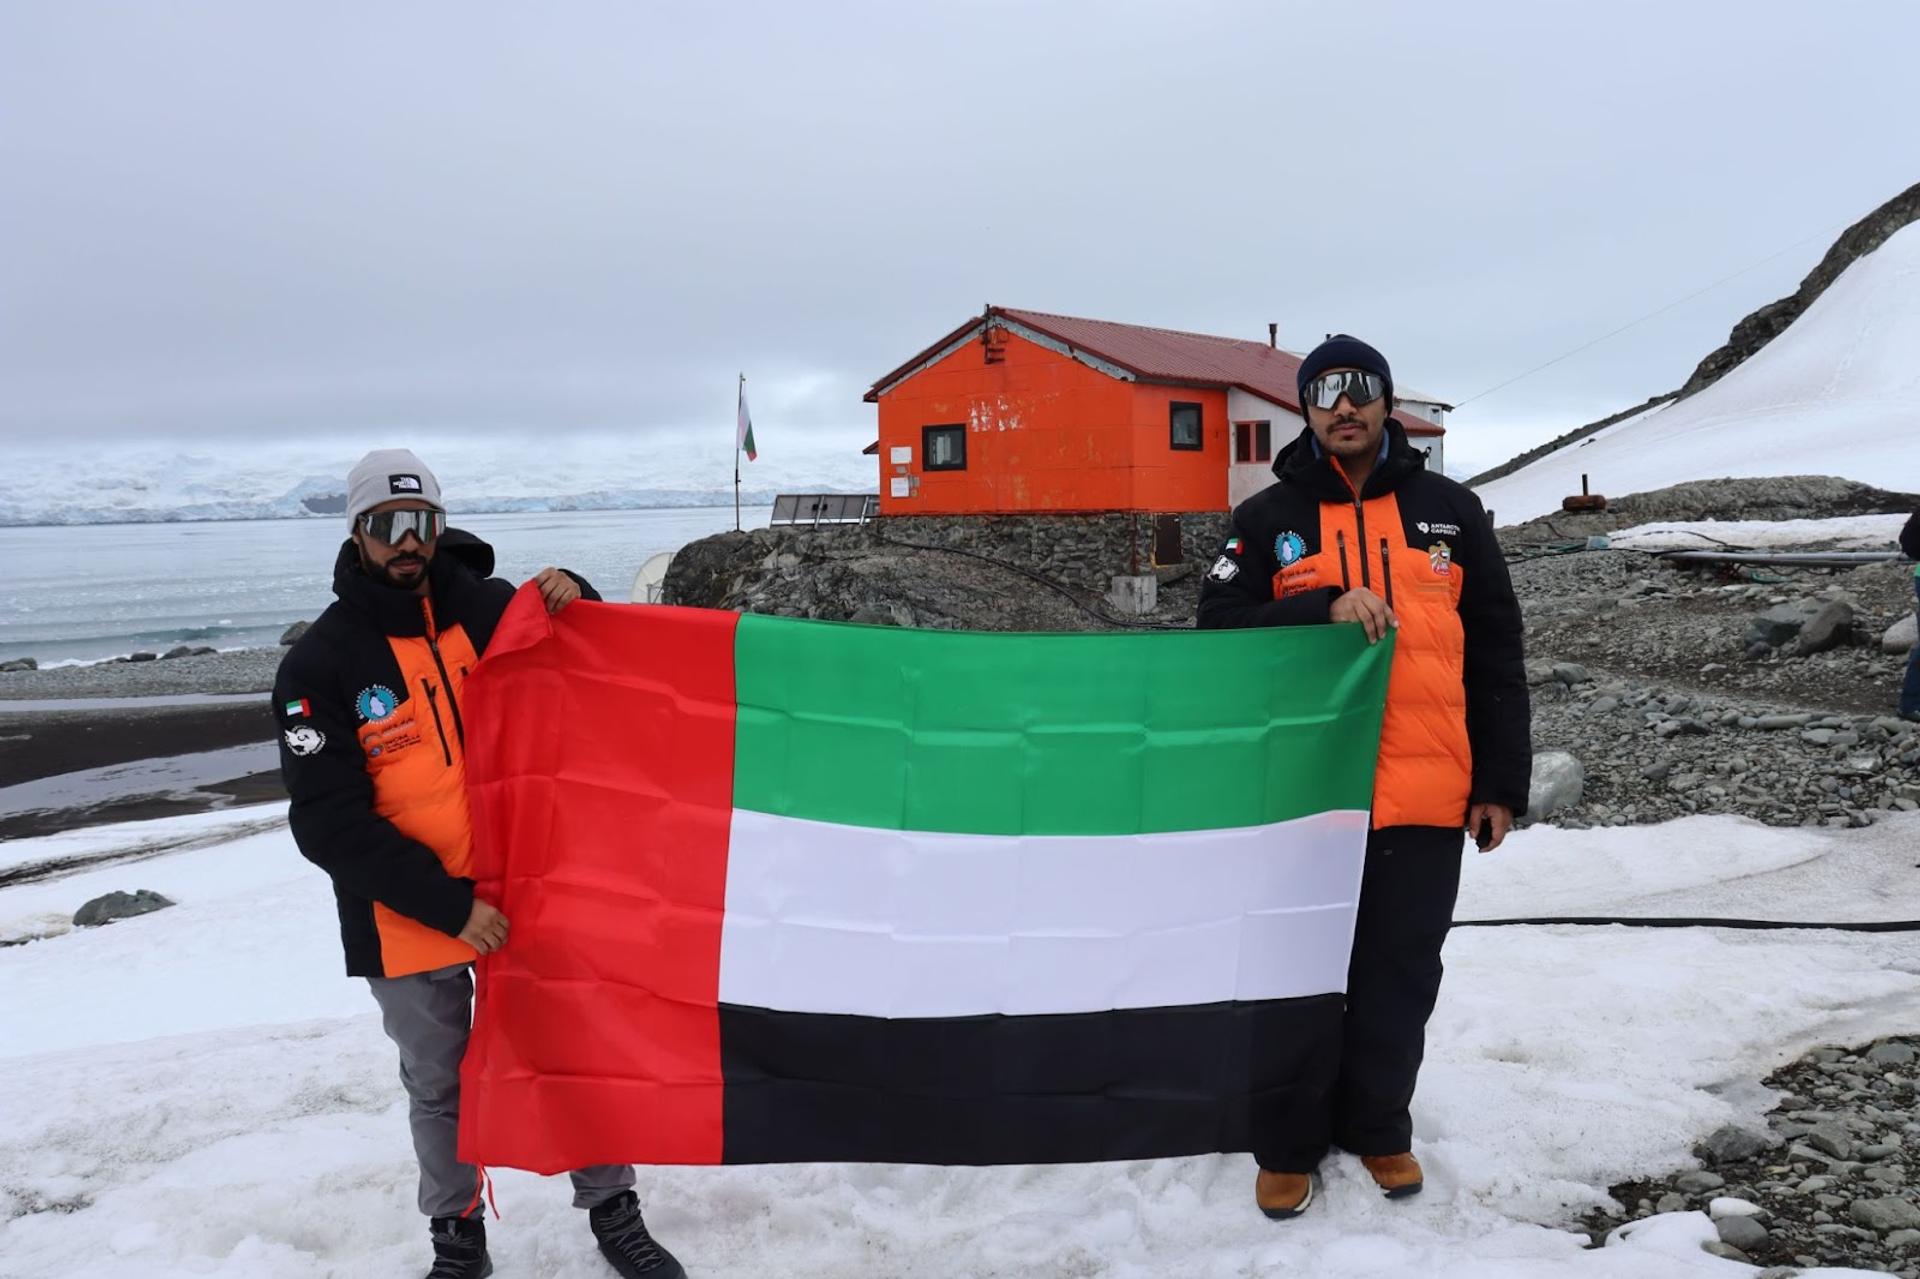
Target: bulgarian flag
[(786, 890), (745, 437)]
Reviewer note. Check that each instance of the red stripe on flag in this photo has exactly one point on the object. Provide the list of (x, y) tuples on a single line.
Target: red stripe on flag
[(597, 1031)]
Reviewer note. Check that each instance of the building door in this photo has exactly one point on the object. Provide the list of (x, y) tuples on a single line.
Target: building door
[(1166, 539)]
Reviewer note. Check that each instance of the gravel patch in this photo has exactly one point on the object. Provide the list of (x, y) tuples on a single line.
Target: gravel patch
[(248, 670)]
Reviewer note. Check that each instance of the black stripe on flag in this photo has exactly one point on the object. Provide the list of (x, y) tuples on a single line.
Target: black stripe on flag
[(1070, 1088)]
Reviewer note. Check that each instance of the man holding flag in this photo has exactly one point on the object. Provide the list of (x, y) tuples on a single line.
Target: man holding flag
[(374, 756), (1357, 530)]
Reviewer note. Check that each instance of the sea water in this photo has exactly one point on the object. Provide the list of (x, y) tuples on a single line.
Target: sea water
[(90, 592)]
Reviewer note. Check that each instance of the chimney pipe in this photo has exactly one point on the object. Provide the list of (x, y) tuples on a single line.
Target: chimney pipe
[(1273, 336)]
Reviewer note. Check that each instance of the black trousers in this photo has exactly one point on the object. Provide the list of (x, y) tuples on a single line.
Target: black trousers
[(1406, 907)]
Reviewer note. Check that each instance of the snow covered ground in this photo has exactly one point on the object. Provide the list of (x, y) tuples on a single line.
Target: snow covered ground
[(1846, 533), (199, 1092), (1838, 393)]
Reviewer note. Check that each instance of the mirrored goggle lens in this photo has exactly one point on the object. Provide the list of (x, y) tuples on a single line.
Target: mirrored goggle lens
[(391, 526), (1361, 388)]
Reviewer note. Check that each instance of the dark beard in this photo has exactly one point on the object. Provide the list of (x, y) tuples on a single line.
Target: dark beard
[(383, 575)]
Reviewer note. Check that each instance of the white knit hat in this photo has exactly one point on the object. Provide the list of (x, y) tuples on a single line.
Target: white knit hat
[(385, 474)]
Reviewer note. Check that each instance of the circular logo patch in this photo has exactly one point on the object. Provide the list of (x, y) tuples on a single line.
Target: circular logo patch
[(376, 703), (1289, 549)]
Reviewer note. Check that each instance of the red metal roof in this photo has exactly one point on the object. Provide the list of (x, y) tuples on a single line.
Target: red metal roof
[(1161, 355)]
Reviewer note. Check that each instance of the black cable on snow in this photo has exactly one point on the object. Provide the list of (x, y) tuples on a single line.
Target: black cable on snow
[(1650, 921)]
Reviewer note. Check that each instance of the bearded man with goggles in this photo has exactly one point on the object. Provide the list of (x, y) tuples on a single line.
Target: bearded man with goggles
[(373, 752), (1357, 531)]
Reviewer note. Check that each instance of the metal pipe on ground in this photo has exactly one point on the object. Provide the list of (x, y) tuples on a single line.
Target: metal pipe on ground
[(1781, 558)]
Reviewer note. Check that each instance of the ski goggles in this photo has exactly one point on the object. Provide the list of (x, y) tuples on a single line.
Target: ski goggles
[(389, 527), (1360, 388)]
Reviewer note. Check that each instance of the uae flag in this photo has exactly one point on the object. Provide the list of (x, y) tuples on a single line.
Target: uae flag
[(785, 890)]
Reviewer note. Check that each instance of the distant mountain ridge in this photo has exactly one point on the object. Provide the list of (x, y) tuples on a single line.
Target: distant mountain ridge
[(144, 484)]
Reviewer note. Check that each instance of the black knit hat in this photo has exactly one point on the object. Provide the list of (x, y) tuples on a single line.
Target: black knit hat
[(1341, 351)]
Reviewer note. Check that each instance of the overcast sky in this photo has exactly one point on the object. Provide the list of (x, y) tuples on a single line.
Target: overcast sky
[(259, 222)]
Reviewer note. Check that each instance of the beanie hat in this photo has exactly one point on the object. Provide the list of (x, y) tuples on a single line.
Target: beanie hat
[(1341, 351), (385, 474)]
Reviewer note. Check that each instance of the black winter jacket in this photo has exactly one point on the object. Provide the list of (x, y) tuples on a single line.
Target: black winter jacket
[(372, 751), (1441, 525)]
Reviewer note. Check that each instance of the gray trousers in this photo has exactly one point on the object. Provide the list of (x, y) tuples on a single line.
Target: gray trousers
[(428, 1016)]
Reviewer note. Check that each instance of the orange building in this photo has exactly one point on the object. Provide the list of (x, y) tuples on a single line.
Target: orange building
[(1020, 411)]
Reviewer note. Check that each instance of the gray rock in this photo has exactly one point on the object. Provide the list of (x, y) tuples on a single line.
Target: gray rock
[(1672, 1201), (1901, 636), (1720, 1248), (1886, 1215), (1878, 1150), (1781, 623), (179, 650), (1559, 782), (1539, 672), (1831, 627), (1831, 1139), (143, 657), (1657, 772), (1743, 1233), (1732, 1143), (1571, 673), (1699, 1181), (1775, 723), (112, 906), (294, 632), (1604, 705), (20, 664), (1886, 1174), (1891, 1054), (1903, 1238)]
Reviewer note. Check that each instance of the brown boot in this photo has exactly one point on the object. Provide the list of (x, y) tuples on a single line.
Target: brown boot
[(1396, 1175), (1283, 1194)]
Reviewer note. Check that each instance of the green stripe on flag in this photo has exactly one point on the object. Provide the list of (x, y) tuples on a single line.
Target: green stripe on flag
[(1068, 734)]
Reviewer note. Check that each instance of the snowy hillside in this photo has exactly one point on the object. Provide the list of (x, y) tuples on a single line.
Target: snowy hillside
[(1838, 393), (118, 482), (200, 1092)]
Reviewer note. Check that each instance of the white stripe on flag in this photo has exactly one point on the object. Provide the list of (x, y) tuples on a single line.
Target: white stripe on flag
[(826, 918)]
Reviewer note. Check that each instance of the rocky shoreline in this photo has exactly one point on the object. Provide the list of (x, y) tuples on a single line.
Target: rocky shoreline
[(1829, 1181)]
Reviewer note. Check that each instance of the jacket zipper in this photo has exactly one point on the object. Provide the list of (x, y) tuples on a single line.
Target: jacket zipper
[(433, 704), (1360, 523), (1386, 571), (453, 703), (1340, 540)]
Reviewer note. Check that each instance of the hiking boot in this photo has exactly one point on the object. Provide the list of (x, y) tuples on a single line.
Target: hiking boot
[(1283, 1194), (459, 1248), (624, 1240), (1397, 1175)]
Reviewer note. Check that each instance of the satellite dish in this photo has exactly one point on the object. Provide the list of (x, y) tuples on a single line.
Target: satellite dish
[(647, 583)]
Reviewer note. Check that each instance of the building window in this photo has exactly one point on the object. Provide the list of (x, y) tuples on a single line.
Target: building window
[(1183, 425), (944, 448), (1253, 441)]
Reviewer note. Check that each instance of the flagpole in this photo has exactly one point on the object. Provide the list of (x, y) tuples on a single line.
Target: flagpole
[(736, 451)]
